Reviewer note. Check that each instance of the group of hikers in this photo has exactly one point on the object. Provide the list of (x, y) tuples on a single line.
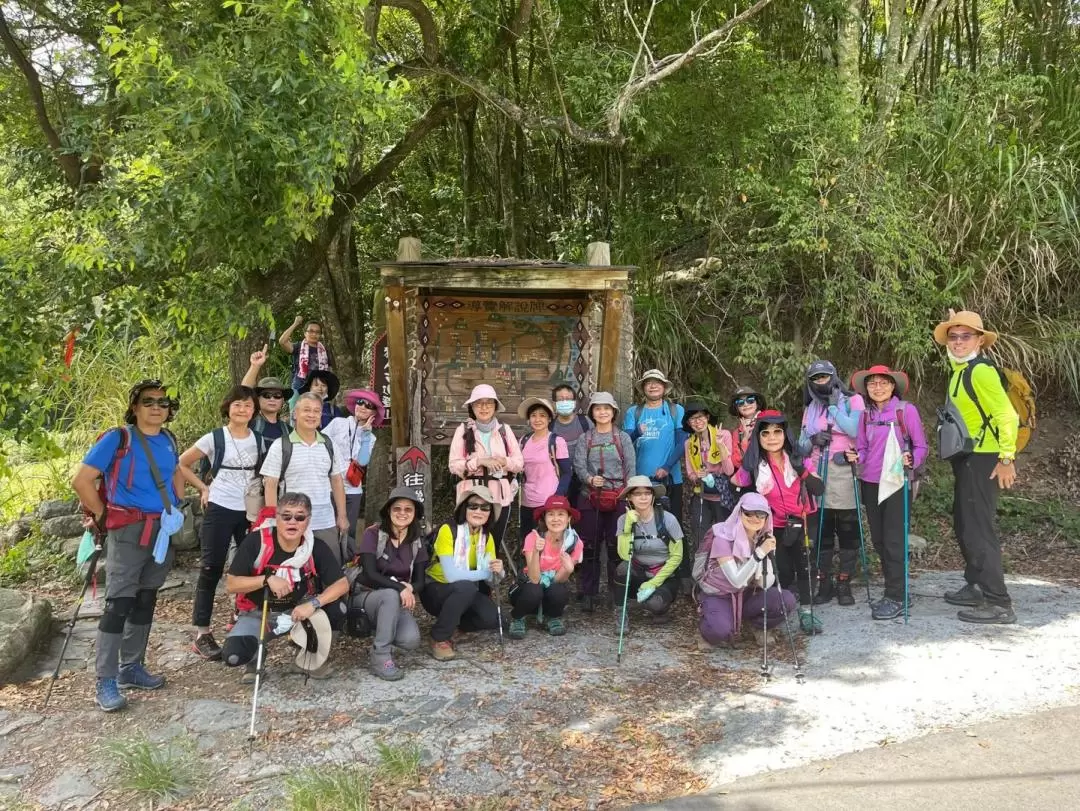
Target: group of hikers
[(770, 525)]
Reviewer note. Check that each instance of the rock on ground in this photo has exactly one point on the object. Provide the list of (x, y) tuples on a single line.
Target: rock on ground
[(24, 620)]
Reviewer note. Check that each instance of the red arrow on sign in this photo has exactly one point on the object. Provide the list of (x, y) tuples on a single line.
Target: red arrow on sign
[(415, 456)]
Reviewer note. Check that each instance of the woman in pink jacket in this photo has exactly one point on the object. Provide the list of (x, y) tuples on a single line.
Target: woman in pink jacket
[(485, 452)]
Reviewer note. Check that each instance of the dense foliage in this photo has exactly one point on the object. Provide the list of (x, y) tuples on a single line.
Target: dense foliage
[(849, 169)]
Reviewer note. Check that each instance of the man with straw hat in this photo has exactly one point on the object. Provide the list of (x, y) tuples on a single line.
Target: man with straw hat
[(977, 396)]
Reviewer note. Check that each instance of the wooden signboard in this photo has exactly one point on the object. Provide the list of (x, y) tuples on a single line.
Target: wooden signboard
[(521, 345), (413, 466), (380, 372)]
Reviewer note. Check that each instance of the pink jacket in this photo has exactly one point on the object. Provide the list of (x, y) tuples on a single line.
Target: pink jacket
[(503, 443)]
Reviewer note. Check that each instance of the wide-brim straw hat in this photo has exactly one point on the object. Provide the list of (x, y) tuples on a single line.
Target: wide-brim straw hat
[(528, 403), (482, 492), (484, 392), (634, 482), (858, 379), (964, 318), (314, 647)]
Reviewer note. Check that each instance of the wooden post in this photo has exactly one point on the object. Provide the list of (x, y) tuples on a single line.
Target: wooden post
[(408, 249), (598, 253), (395, 336)]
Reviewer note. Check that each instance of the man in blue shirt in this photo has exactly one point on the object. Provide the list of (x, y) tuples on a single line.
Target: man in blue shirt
[(656, 428), (140, 470)]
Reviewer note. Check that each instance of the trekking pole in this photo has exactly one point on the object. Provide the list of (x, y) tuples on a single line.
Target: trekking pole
[(259, 661), (622, 616), (863, 560), (907, 569), (91, 570), (809, 579), (498, 609), (823, 462), (799, 675), (765, 674)]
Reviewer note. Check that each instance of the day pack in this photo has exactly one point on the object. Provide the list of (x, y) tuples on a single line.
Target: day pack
[(954, 439), (110, 479), (207, 468), (469, 438), (1019, 392)]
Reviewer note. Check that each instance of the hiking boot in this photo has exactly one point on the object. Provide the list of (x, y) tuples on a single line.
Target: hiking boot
[(988, 614), (886, 609), (843, 590), (825, 591), (556, 627), (759, 637), (207, 647), (969, 595), (250, 671), (809, 623), (137, 676), (517, 628), (442, 651), (385, 668), (108, 696)]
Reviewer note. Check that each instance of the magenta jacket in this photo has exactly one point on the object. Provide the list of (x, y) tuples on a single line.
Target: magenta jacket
[(873, 432)]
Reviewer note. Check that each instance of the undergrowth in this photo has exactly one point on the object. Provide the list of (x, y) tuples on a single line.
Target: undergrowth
[(163, 772), (329, 788)]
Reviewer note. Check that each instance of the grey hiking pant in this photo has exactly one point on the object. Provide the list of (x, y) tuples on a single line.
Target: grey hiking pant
[(394, 625)]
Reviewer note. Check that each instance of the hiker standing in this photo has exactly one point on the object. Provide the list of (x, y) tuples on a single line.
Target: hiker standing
[(977, 393), (772, 466), (391, 574), (141, 483), (887, 411), (551, 550), (732, 578), (324, 384), (709, 466), (570, 425), (270, 394), (353, 441), (744, 406), (604, 460), (308, 355), (304, 461), (656, 428), (464, 572), (546, 462), (484, 451), (305, 583), (650, 544), (234, 452), (829, 425)]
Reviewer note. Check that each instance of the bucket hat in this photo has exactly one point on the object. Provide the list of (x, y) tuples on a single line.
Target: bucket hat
[(313, 636), (691, 407), (529, 402), (333, 385), (602, 398), (482, 492), (352, 396), (269, 384), (654, 374), (634, 482), (556, 503), (964, 318), (484, 392), (858, 379), (401, 492), (746, 391)]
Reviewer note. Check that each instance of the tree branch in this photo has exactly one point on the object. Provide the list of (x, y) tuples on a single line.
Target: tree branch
[(672, 63), (424, 19), (69, 163)]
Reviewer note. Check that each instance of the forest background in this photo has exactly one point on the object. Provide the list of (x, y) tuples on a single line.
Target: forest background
[(180, 177)]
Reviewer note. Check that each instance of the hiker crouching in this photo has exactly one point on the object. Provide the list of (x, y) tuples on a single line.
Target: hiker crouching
[(298, 574), (140, 474)]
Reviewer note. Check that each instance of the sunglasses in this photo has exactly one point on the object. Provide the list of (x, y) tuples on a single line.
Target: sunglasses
[(290, 517), (961, 337), (757, 515), (370, 406), (163, 402), (749, 400), (481, 506), (272, 395)]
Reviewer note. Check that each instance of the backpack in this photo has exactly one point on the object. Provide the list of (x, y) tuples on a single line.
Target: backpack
[(604, 500), (1020, 394), (661, 528), (110, 478), (635, 412), (703, 571), (207, 468), (469, 437), (552, 438), (286, 456)]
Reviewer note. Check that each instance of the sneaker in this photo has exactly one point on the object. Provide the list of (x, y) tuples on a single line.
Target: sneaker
[(138, 676), (250, 671), (988, 614), (843, 590), (108, 696), (809, 623), (556, 627), (969, 595), (207, 647), (442, 651), (387, 669), (825, 591), (517, 628), (886, 609)]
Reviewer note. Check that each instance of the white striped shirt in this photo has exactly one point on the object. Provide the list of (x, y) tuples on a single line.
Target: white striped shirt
[(308, 473)]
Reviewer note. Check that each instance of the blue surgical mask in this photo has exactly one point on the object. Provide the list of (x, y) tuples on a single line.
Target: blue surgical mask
[(565, 407)]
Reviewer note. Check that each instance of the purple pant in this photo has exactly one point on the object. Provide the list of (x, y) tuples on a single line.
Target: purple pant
[(717, 623), (597, 531)]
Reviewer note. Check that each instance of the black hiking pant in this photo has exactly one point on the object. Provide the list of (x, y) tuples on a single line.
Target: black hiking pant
[(463, 604), (886, 522), (975, 499)]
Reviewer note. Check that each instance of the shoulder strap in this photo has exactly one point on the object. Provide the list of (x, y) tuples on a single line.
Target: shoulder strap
[(155, 472), (661, 525), (583, 423), (469, 437), (266, 549), (969, 387), (112, 474), (380, 544), (671, 414), (900, 421), (329, 445), (286, 455), (219, 450)]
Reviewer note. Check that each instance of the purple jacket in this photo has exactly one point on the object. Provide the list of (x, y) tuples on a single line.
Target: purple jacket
[(873, 433)]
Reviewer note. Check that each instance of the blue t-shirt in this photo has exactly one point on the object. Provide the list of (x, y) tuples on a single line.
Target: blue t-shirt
[(142, 494), (658, 439)]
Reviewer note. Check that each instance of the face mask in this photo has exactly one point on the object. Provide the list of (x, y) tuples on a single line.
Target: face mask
[(564, 408), (821, 389), (964, 359)]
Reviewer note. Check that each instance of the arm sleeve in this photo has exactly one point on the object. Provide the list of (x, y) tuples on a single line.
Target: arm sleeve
[(995, 402), (862, 437), (562, 460), (367, 444), (847, 419), (675, 553), (625, 538), (738, 574), (581, 458), (444, 549), (371, 576)]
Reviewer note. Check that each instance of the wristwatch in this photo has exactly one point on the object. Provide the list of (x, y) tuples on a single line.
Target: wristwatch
[(315, 603), (1005, 460)]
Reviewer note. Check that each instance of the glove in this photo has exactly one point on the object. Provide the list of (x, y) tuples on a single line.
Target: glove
[(822, 439), (645, 592), (709, 480)]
